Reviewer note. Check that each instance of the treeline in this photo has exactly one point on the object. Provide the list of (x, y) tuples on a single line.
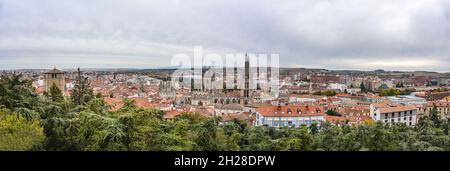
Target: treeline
[(84, 123), (396, 92)]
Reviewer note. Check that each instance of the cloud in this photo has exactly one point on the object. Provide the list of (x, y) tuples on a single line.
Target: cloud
[(355, 34)]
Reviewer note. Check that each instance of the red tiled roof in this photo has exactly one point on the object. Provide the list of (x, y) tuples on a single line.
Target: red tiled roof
[(439, 104), (145, 103), (397, 109), (239, 116), (390, 108), (173, 114), (115, 103)]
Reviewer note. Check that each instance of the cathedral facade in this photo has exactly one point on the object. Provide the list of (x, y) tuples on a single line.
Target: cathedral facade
[(202, 97)]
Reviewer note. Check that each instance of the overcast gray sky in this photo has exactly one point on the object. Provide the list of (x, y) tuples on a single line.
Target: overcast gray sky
[(332, 34)]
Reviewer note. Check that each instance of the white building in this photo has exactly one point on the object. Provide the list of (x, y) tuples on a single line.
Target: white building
[(353, 90), (289, 115), (409, 100), (337, 87), (220, 110), (394, 113), (302, 100)]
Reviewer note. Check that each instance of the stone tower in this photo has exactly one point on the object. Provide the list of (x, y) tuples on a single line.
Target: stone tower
[(56, 77), (247, 77)]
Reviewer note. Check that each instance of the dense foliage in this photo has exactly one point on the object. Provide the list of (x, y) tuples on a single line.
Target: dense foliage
[(395, 92), (325, 93), (32, 122)]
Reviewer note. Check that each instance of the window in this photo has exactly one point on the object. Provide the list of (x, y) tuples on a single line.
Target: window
[(410, 123), (410, 112), (410, 118), (386, 115), (393, 114), (392, 120)]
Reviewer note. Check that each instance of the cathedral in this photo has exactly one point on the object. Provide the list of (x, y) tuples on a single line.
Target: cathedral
[(203, 97)]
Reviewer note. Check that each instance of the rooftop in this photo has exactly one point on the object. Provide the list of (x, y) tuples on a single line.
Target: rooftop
[(291, 111), (55, 71)]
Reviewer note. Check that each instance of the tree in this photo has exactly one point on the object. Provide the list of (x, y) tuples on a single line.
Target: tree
[(82, 91), (142, 128), (257, 139), (314, 128), (434, 116), (363, 87), (206, 139), (325, 93), (333, 112), (192, 117), (15, 92), (390, 92), (98, 106), (19, 134), (54, 94), (295, 140), (99, 95)]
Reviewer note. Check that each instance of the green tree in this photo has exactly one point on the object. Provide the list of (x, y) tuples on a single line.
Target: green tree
[(296, 140), (363, 87), (257, 139), (82, 91), (206, 139), (16, 92), (54, 94), (19, 134), (434, 116), (333, 112), (142, 128)]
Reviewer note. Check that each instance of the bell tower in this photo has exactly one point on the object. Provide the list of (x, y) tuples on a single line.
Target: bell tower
[(56, 77)]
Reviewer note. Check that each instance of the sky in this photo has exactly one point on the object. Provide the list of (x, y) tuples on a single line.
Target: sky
[(401, 35)]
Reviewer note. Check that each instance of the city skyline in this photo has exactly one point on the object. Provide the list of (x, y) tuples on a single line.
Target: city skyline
[(338, 35)]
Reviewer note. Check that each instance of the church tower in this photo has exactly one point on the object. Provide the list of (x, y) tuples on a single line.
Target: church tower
[(247, 77), (56, 77)]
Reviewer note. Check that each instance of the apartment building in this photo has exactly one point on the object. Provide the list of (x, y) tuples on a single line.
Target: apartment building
[(394, 113)]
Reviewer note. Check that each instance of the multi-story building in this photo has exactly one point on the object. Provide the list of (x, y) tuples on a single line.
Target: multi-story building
[(442, 107), (394, 113), (289, 115)]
